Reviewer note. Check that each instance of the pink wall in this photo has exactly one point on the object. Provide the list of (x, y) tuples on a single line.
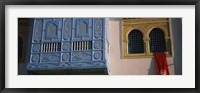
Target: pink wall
[(118, 66)]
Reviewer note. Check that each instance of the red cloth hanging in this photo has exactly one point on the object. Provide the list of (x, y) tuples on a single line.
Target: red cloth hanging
[(161, 63)]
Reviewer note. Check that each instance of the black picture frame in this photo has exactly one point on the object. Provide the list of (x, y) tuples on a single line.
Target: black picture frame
[(99, 2)]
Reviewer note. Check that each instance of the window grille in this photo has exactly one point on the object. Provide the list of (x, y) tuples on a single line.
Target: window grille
[(135, 42), (51, 47), (157, 41), (81, 45)]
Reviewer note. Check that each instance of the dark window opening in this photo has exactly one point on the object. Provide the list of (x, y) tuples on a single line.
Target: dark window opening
[(157, 40), (81, 45), (135, 42), (20, 47), (51, 47)]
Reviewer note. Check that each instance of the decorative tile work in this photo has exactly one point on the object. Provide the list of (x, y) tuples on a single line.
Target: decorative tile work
[(48, 66), (80, 65), (99, 64), (36, 47), (82, 29), (35, 58), (97, 55), (65, 57), (52, 30), (50, 57), (81, 56), (65, 65), (67, 29), (98, 44), (66, 46), (38, 30), (80, 44), (98, 28)]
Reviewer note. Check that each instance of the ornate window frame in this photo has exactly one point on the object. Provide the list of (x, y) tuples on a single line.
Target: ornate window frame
[(146, 25)]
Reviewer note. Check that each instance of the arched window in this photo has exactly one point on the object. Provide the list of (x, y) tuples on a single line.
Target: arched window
[(139, 43), (157, 40), (135, 42)]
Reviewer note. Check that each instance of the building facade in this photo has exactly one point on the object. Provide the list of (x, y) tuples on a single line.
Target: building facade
[(121, 46)]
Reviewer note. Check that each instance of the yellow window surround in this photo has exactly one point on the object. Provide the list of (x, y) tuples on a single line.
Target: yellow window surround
[(145, 25)]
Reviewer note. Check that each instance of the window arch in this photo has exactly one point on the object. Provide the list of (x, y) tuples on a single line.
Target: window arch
[(135, 42), (157, 40)]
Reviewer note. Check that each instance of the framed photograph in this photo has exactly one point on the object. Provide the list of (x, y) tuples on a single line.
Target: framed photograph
[(123, 45)]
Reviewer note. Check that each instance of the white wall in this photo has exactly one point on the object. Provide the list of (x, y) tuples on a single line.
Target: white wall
[(141, 66)]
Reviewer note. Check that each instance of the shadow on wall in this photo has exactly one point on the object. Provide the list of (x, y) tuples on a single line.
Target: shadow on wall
[(176, 24), (152, 68)]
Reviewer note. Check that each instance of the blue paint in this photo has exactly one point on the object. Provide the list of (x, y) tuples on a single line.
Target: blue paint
[(66, 33), (84, 21)]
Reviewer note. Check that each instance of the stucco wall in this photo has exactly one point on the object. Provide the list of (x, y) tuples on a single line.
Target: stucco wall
[(140, 66)]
